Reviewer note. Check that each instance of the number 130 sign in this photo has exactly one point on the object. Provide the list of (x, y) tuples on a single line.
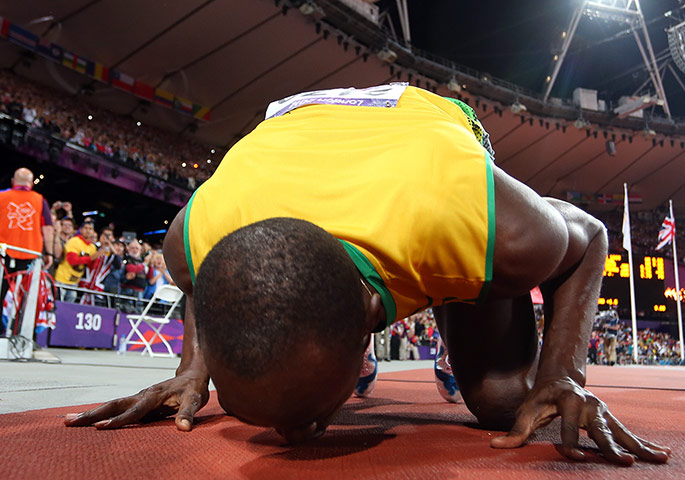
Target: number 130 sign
[(88, 321), (83, 326)]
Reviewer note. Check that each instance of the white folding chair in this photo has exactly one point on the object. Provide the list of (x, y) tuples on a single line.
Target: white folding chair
[(171, 296)]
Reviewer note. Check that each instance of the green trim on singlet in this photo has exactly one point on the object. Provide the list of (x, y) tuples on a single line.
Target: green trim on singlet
[(370, 274), (465, 107), (476, 127), (186, 239), (490, 250)]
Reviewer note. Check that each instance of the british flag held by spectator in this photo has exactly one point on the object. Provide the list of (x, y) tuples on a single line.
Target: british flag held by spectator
[(94, 277), (666, 233)]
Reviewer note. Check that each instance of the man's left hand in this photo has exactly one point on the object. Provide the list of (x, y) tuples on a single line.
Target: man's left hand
[(578, 409)]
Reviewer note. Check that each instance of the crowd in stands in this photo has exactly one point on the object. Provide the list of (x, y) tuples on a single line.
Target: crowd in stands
[(92, 260), (144, 148), (406, 335), (654, 348)]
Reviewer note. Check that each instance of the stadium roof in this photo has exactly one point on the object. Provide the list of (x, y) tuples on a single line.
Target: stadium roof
[(236, 56)]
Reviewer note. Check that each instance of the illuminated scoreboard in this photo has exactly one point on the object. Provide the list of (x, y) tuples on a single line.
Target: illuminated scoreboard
[(649, 277), (650, 268)]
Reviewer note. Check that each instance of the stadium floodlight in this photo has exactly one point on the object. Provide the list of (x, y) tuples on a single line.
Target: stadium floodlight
[(580, 123), (307, 8), (621, 11), (453, 85), (676, 44), (637, 104), (386, 55), (518, 108), (310, 8)]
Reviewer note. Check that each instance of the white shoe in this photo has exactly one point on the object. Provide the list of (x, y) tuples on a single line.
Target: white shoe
[(444, 379)]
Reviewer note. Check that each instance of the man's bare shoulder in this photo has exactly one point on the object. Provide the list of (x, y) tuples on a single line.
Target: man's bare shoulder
[(175, 255), (537, 238)]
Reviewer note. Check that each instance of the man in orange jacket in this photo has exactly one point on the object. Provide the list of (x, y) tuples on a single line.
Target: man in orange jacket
[(25, 222)]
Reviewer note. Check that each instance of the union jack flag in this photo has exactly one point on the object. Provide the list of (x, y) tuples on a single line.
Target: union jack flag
[(667, 232), (94, 277)]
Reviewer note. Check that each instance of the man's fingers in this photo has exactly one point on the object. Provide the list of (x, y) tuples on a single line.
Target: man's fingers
[(655, 446), (103, 412), (570, 409), (133, 415), (190, 404), (645, 450), (652, 445), (184, 423), (517, 436), (510, 440), (601, 434)]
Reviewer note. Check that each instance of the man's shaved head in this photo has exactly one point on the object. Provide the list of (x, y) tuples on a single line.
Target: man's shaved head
[(23, 177), (279, 308)]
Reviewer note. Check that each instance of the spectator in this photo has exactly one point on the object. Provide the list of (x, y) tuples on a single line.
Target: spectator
[(610, 324), (99, 268), (147, 251), (25, 222), (134, 280), (382, 344), (114, 277), (593, 348), (79, 251), (413, 344), (400, 331), (418, 324), (63, 232), (157, 274), (61, 210)]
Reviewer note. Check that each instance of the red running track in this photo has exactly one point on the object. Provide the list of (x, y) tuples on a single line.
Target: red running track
[(404, 431)]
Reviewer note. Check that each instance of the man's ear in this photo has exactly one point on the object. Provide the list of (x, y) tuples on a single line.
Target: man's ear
[(375, 313)]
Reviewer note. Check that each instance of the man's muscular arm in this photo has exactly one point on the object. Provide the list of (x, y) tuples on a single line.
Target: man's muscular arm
[(571, 293), (555, 245), (192, 363), (571, 296), (184, 394)]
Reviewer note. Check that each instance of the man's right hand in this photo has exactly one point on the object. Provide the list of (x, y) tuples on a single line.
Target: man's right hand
[(579, 409), (184, 394)]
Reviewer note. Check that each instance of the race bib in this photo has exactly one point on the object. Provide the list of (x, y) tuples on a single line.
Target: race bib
[(382, 96)]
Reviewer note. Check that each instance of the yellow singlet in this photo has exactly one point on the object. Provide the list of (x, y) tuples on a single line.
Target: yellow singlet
[(408, 190)]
